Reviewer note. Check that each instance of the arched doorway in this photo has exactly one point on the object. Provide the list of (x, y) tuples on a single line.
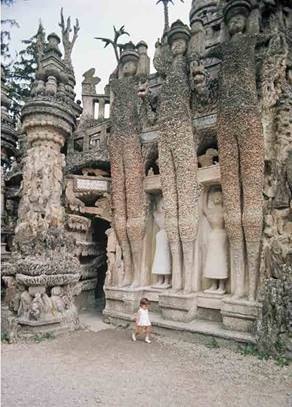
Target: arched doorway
[(100, 238)]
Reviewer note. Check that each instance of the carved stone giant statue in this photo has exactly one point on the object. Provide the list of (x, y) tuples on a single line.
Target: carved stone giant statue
[(177, 157), (127, 169), (240, 140)]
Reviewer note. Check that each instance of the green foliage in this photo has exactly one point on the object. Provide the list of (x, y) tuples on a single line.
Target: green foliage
[(281, 361), (6, 26), (43, 337), (19, 71), (21, 74), (213, 344), (248, 349), (251, 350), (4, 337)]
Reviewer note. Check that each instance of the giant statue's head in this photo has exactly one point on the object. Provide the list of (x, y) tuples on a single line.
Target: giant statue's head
[(235, 14), (178, 37), (129, 60), (142, 47)]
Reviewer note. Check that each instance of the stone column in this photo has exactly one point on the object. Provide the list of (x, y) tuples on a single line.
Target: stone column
[(46, 132), (101, 107), (42, 247), (45, 265), (89, 94)]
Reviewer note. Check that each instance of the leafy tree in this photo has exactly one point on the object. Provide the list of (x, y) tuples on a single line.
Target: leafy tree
[(6, 25), (20, 71), (21, 75)]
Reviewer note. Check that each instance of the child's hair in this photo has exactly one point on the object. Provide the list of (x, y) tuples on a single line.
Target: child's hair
[(144, 301)]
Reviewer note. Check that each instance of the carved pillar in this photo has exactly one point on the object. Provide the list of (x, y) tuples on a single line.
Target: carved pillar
[(45, 265), (89, 94), (101, 108), (88, 106), (46, 133), (86, 142)]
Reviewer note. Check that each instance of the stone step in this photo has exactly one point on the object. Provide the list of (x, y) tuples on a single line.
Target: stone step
[(200, 331)]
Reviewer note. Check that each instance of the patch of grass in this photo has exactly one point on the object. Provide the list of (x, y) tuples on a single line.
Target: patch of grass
[(43, 337), (248, 349), (281, 361), (4, 337), (251, 350), (213, 344)]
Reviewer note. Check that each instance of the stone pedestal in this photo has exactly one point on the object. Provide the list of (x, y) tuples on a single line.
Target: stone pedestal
[(122, 301), (239, 315), (54, 326), (210, 300), (178, 306), (209, 306)]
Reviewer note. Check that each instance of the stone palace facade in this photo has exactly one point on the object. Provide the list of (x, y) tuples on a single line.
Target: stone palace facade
[(182, 195)]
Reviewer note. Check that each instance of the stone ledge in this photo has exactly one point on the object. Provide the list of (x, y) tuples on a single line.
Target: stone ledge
[(39, 323), (210, 300), (206, 176), (200, 327), (240, 314)]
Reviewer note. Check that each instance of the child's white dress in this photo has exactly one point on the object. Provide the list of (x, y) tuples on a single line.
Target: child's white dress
[(143, 317)]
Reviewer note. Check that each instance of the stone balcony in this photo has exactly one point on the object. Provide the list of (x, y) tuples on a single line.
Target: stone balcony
[(206, 176)]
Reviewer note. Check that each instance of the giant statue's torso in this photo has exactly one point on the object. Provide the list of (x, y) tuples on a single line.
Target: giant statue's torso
[(175, 93), (125, 106), (237, 76)]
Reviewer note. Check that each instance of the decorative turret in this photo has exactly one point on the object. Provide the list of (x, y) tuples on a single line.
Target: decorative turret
[(205, 21), (202, 10)]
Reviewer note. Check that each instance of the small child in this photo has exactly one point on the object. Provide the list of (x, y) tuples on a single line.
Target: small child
[(143, 323)]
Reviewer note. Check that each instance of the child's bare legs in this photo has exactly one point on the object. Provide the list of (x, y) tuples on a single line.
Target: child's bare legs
[(147, 331), (139, 330)]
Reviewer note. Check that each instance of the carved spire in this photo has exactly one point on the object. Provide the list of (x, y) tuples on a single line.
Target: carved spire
[(201, 9), (67, 44), (40, 43)]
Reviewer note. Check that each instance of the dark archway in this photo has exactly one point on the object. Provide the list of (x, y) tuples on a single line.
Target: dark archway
[(99, 227)]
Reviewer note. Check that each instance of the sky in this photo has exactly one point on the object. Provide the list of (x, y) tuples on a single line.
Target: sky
[(143, 19)]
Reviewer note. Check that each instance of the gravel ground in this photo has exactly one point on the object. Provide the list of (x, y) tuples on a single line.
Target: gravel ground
[(106, 369)]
